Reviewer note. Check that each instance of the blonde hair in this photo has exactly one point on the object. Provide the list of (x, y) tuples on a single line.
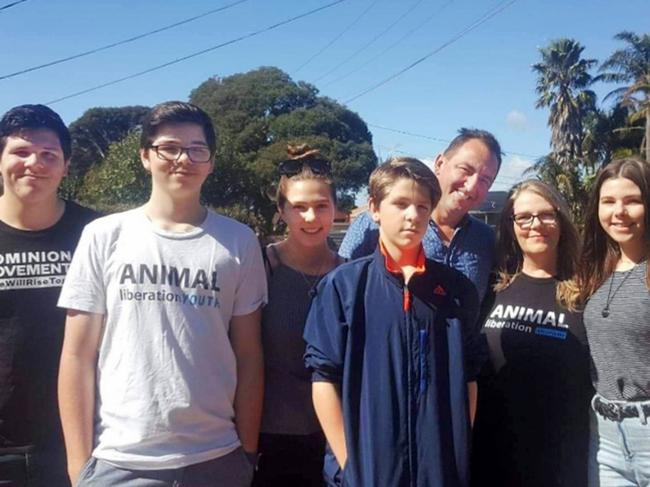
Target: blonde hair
[(510, 257)]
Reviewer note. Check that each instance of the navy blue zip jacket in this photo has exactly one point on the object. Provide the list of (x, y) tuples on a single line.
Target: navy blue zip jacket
[(401, 357)]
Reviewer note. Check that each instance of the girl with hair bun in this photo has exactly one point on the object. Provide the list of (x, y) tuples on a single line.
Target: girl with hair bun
[(292, 444)]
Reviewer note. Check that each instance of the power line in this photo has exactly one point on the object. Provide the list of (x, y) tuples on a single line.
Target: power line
[(195, 54), (487, 16), (4, 7), (444, 141), (120, 43), (372, 41), (344, 31), (391, 46)]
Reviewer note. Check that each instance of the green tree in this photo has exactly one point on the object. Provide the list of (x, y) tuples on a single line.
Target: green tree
[(119, 182), (256, 114), (562, 81), (92, 134), (631, 65)]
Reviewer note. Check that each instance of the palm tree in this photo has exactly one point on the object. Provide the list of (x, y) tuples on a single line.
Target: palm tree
[(632, 65), (562, 81), (567, 179)]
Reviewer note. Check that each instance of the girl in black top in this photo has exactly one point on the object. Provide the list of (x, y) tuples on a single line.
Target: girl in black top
[(532, 426)]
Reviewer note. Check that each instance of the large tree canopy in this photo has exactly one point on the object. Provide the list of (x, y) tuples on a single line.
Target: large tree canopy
[(92, 134), (256, 114), (119, 182)]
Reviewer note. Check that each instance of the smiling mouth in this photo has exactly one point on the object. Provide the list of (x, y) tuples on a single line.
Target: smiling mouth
[(312, 231), (622, 226)]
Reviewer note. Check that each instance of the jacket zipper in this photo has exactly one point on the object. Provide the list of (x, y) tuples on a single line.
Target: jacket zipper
[(412, 399)]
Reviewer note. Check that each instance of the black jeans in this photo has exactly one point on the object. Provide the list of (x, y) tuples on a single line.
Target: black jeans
[(30, 468), (290, 460)]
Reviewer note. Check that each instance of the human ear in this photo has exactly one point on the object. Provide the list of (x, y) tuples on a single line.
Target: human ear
[(144, 158), (437, 164), (373, 208)]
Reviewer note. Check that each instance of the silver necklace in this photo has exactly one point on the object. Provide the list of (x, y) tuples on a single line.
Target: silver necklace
[(610, 295), (312, 281)]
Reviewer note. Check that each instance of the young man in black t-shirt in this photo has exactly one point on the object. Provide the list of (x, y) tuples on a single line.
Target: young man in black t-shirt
[(38, 235)]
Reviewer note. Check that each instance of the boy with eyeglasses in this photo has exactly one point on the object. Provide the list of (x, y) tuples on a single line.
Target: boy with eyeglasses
[(38, 234), (164, 324)]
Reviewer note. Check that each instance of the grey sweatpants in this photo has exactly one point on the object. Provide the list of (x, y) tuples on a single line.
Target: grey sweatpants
[(231, 470)]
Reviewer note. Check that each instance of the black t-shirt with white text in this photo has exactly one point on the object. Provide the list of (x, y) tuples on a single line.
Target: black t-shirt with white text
[(532, 425), (33, 265)]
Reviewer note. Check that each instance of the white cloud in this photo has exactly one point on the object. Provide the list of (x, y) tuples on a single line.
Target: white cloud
[(517, 120), (512, 171)]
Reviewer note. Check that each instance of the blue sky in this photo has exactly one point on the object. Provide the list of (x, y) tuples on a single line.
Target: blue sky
[(481, 80)]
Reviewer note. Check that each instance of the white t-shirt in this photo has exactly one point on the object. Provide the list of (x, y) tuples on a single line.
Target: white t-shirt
[(166, 372)]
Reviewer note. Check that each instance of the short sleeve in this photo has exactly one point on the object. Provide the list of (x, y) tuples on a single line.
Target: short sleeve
[(326, 334), (360, 239), (83, 288), (251, 292)]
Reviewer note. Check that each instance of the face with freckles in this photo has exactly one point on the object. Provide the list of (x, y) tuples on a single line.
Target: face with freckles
[(308, 211), (32, 165), (465, 176), (621, 212)]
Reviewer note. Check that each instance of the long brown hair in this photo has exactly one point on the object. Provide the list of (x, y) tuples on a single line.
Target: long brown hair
[(510, 258), (600, 253)]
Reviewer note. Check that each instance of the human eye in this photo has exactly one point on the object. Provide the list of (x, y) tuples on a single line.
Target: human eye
[(548, 217), (23, 153), (401, 204), (634, 200), (199, 153), (51, 155), (169, 151), (486, 181), (522, 217)]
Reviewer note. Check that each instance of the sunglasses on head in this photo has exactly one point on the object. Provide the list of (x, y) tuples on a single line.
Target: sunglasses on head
[(291, 167)]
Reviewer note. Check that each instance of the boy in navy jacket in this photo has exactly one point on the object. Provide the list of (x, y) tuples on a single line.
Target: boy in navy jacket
[(392, 341)]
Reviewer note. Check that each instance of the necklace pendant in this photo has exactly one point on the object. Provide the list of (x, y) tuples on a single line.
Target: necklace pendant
[(605, 313)]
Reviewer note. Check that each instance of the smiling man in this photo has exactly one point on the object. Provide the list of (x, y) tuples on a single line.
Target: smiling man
[(465, 170), (38, 234)]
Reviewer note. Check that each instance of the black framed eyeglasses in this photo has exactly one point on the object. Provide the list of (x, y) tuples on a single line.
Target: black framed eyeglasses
[(291, 167), (525, 220), (172, 153)]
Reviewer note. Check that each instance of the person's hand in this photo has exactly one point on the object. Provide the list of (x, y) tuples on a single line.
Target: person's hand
[(252, 457), (75, 466)]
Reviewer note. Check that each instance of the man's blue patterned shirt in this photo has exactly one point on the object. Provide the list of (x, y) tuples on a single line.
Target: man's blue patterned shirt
[(471, 250)]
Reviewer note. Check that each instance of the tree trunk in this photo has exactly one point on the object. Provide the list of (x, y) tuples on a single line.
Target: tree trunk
[(647, 134)]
